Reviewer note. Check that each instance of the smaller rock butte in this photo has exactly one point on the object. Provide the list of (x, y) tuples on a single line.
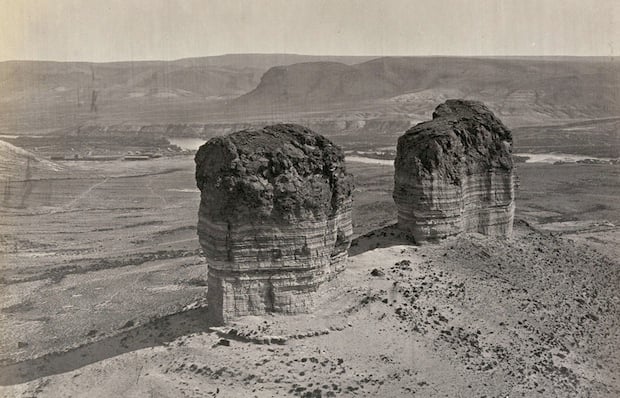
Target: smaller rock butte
[(274, 219), (454, 174)]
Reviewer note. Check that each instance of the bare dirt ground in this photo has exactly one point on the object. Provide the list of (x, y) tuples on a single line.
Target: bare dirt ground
[(103, 288), (96, 248)]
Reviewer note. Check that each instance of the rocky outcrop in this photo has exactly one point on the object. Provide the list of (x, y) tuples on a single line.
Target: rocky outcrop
[(454, 174), (274, 219)]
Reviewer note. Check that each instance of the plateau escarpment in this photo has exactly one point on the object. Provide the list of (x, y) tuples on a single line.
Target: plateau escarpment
[(274, 219), (454, 174)]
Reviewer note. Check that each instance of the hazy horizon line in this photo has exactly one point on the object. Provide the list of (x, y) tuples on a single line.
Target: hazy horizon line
[(311, 55)]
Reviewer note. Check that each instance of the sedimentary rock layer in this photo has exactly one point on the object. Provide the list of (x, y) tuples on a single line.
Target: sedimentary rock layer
[(274, 219), (454, 174)]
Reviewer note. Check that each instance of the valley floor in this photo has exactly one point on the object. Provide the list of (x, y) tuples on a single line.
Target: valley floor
[(103, 286)]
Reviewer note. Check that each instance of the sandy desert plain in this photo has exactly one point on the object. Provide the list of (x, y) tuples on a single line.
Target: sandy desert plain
[(103, 285)]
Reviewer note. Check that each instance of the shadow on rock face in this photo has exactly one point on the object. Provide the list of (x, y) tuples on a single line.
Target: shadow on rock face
[(158, 332), (380, 238)]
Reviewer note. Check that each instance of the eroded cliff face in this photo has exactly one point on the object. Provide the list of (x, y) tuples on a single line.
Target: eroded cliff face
[(274, 219), (454, 174)]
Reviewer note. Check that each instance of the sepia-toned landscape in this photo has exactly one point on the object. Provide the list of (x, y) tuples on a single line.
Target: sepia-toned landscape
[(104, 283), (109, 224)]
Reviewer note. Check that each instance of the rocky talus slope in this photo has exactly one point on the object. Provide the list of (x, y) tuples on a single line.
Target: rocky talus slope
[(454, 174), (274, 219)]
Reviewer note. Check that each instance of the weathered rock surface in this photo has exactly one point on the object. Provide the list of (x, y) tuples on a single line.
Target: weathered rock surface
[(455, 174), (274, 219)]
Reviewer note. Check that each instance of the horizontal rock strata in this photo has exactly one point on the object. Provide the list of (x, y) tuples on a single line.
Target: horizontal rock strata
[(274, 219), (454, 174)]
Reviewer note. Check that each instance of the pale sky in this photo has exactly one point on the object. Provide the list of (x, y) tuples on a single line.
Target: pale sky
[(109, 30)]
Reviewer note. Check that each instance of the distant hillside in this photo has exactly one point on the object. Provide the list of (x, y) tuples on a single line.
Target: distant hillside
[(37, 96), (19, 164), (557, 88), (49, 94), (221, 76)]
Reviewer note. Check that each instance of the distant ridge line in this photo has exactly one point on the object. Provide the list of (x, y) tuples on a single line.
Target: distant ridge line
[(368, 57)]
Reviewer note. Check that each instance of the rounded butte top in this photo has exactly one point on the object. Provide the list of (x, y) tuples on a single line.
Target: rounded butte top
[(281, 173)]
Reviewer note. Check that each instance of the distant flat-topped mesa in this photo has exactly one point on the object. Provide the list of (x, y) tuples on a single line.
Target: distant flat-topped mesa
[(454, 174), (274, 219)]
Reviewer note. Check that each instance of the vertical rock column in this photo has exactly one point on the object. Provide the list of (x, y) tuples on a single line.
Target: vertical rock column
[(274, 219), (454, 174)]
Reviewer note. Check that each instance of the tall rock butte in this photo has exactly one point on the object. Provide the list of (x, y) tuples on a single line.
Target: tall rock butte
[(454, 174), (274, 219)]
